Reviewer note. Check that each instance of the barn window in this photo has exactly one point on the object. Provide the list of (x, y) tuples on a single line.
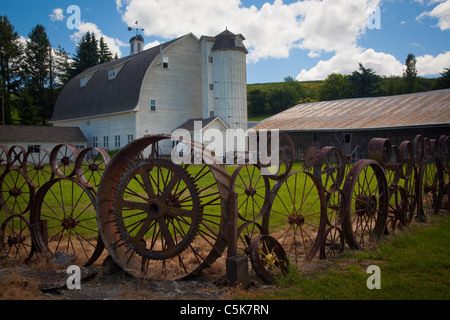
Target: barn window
[(211, 86), (117, 141), (130, 138), (95, 142), (33, 149), (165, 63), (153, 105), (210, 59), (105, 142), (112, 74)]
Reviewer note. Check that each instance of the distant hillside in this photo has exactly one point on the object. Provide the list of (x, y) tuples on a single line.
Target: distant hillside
[(266, 99)]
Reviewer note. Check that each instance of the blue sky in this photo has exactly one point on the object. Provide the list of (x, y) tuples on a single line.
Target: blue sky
[(306, 39)]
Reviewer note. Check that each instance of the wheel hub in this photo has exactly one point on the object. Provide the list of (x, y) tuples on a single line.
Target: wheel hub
[(366, 205), (15, 192), (296, 219), (69, 223)]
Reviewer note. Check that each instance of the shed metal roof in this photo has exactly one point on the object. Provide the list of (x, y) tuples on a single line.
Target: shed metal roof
[(430, 108), (13, 134)]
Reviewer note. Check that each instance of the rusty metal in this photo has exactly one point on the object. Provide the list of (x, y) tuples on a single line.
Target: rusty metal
[(71, 224), (330, 168), (90, 165), (163, 220), (412, 110), (298, 218), (16, 155), (367, 195), (333, 243), (286, 156), (15, 239), (210, 186), (380, 149), (16, 194), (36, 168), (268, 258), (62, 160)]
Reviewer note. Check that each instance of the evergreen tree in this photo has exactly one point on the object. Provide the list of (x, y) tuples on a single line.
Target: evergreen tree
[(410, 74), (36, 70), (444, 80), (365, 83), (28, 111), (10, 55), (105, 54), (90, 52)]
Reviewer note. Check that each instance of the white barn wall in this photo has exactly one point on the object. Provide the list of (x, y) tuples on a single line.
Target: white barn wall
[(177, 90), (105, 126)]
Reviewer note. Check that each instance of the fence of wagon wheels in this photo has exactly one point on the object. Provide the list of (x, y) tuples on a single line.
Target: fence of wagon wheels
[(163, 220)]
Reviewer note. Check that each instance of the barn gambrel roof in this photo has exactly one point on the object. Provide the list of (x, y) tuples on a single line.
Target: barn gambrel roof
[(101, 96)]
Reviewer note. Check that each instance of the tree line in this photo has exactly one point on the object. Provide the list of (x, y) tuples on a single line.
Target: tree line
[(33, 72), (269, 99)]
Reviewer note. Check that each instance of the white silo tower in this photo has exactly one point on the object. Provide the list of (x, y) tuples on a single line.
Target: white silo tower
[(225, 79)]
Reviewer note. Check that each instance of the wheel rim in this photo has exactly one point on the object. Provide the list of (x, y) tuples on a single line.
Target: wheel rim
[(297, 221), (367, 195), (64, 220)]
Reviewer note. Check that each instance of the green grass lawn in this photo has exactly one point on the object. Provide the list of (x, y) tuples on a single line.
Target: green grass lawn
[(414, 265)]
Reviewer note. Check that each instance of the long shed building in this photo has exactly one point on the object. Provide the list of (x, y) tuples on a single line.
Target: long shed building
[(350, 124)]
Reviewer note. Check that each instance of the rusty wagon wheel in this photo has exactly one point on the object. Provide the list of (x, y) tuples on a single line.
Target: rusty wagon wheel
[(63, 219), (90, 165), (253, 192), (162, 220), (286, 156), (399, 210), (268, 258), (330, 168), (62, 160), (15, 239), (333, 243), (16, 155), (335, 207), (430, 188), (3, 159), (367, 195), (36, 167), (16, 194), (406, 149), (297, 217), (160, 216)]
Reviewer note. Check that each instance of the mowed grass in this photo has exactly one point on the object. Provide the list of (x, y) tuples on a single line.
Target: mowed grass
[(414, 265)]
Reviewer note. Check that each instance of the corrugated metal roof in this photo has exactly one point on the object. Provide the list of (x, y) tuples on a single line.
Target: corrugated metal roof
[(410, 110), (17, 134)]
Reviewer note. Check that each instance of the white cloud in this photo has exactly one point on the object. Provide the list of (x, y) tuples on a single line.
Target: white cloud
[(57, 15), (441, 12), (272, 31), (346, 61), (429, 65), (113, 44)]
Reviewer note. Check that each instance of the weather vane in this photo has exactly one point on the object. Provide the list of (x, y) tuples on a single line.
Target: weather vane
[(136, 28)]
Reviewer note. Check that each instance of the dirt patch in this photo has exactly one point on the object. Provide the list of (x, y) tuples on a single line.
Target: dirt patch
[(47, 281)]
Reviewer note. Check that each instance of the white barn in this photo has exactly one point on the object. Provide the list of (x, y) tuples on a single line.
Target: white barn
[(158, 90)]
